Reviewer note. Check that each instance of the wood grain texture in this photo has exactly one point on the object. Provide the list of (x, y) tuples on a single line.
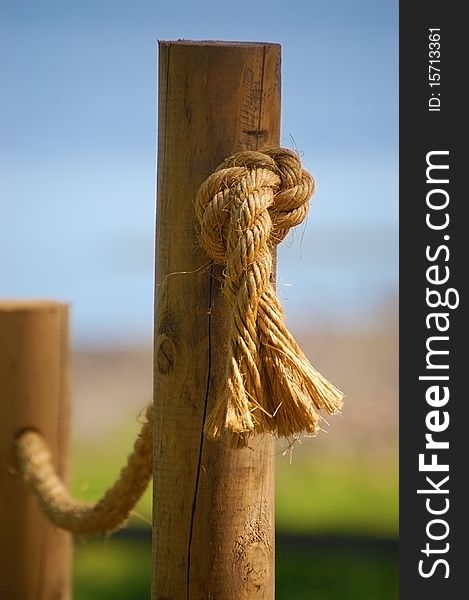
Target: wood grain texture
[(213, 519), (35, 556)]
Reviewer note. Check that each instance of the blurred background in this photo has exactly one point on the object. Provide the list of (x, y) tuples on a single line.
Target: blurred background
[(77, 172)]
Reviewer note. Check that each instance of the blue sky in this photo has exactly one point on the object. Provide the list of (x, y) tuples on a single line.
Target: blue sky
[(78, 151)]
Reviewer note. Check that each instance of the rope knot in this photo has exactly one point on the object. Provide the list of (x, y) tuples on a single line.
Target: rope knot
[(244, 208), (263, 193)]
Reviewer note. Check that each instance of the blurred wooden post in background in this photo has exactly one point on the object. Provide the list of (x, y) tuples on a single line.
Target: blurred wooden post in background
[(35, 556), (213, 516)]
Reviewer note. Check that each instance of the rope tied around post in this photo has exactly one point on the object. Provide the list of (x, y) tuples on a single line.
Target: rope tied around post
[(245, 208)]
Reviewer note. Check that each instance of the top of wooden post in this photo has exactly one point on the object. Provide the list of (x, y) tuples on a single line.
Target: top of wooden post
[(227, 44), (7, 306)]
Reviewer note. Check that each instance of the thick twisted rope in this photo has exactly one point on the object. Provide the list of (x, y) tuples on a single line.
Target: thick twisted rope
[(244, 209), (34, 463)]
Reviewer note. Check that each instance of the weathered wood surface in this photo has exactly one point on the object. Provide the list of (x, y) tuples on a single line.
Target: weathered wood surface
[(213, 519), (35, 556)]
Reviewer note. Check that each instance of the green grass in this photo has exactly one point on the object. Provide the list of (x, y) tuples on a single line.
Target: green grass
[(317, 496), (351, 498), (336, 575), (354, 497), (112, 570), (120, 570)]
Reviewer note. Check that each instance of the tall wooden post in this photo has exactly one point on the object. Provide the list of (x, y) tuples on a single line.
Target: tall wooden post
[(213, 516), (35, 556)]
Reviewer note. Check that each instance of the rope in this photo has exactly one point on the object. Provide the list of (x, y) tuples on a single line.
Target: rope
[(245, 208), (34, 463)]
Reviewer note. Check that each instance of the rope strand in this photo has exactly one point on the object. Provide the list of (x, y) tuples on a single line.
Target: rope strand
[(34, 463)]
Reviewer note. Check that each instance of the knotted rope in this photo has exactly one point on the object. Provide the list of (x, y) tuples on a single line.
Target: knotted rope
[(244, 208)]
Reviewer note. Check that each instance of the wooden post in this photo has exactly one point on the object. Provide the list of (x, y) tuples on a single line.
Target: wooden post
[(213, 516), (35, 556)]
